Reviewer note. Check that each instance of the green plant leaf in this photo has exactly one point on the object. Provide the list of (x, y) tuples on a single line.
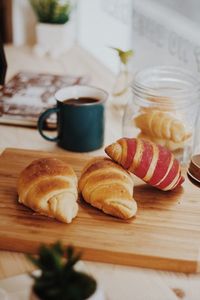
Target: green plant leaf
[(49, 259), (58, 248), (124, 55), (72, 257)]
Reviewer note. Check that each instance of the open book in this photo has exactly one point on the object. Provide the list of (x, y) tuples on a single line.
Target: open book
[(26, 95)]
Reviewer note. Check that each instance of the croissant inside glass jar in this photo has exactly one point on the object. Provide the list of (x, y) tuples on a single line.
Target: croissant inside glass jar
[(164, 109)]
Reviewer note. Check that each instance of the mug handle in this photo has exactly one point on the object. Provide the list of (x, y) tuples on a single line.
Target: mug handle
[(41, 121)]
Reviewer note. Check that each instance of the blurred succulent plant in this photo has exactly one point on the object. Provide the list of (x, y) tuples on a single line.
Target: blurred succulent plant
[(59, 279), (52, 11)]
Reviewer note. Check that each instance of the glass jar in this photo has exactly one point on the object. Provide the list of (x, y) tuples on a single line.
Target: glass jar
[(164, 108), (121, 88)]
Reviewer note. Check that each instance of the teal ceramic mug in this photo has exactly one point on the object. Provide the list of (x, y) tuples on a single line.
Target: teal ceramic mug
[(80, 118)]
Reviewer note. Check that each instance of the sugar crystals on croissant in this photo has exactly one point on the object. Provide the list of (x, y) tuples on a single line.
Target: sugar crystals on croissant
[(49, 186), (107, 186), (152, 163)]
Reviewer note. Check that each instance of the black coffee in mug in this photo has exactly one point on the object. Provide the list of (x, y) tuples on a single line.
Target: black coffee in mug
[(80, 118), (81, 100)]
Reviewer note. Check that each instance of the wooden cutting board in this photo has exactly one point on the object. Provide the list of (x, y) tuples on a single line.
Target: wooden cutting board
[(164, 235)]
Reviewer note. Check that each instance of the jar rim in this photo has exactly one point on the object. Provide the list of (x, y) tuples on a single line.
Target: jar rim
[(146, 81)]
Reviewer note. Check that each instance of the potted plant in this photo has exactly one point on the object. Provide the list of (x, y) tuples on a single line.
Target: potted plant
[(55, 29), (59, 278)]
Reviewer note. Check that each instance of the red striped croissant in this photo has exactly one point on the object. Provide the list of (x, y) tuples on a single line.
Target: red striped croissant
[(152, 163)]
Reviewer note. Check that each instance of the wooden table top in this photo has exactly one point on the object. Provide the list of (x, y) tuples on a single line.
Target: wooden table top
[(119, 282)]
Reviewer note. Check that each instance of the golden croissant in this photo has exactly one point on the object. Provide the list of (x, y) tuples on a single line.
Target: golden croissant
[(152, 163), (107, 186), (169, 144), (161, 125), (49, 186)]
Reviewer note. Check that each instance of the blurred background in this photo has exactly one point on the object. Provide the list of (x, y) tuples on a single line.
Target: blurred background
[(159, 31)]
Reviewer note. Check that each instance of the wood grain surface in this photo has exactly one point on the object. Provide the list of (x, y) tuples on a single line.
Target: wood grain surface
[(164, 235)]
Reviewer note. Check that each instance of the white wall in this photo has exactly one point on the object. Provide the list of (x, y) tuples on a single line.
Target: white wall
[(23, 23), (162, 35), (104, 23)]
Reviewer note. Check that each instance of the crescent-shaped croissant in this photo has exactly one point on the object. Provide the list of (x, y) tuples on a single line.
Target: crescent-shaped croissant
[(152, 163), (161, 125), (107, 186), (49, 186), (169, 144)]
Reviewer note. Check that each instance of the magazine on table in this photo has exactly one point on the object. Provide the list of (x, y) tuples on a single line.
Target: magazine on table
[(27, 95)]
